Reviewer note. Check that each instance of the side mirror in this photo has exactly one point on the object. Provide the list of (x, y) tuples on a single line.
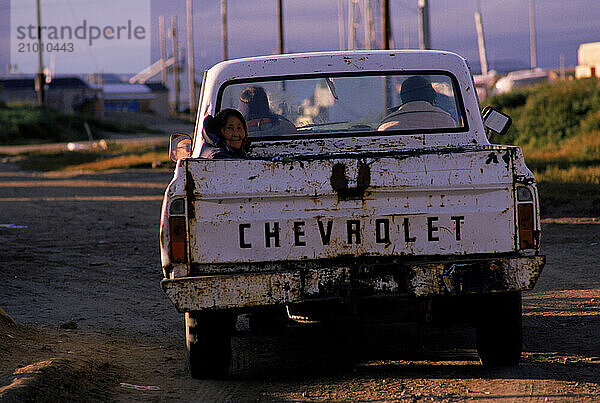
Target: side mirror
[(180, 146), (495, 121)]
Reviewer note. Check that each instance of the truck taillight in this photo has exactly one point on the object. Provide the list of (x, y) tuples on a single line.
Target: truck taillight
[(177, 231), (525, 217), (178, 239)]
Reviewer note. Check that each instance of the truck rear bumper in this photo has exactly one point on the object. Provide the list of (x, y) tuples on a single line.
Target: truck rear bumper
[(247, 290)]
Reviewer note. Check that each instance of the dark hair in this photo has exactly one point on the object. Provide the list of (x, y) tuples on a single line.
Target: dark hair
[(417, 88), (254, 103), (222, 117)]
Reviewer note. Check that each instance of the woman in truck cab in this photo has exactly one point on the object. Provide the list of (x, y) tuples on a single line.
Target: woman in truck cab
[(254, 105), (224, 136)]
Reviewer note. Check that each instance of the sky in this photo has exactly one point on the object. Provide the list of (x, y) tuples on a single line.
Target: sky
[(312, 25)]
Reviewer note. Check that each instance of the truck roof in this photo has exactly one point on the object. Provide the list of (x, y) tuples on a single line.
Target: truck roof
[(338, 62), (293, 65)]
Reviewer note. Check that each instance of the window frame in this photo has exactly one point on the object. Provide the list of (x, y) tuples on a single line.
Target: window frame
[(255, 80)]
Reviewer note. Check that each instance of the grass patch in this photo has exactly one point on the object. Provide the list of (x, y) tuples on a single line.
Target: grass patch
[(27, 124), (582, 148), (568, 175), (558, 127), (115, 157), (550, 113), (571, 175), (575, 160)]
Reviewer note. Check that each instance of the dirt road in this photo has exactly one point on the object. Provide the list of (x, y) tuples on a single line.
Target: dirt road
[(82, 252)]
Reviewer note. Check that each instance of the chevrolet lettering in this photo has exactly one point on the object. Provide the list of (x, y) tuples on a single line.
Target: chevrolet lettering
[(387, 231)]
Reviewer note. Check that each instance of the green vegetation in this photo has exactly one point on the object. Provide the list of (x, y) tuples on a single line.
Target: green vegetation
[(114, 157), (558, 127), (24, 123), (550, 113)]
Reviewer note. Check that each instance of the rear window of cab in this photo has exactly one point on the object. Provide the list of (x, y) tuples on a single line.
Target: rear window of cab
[(347, 105)]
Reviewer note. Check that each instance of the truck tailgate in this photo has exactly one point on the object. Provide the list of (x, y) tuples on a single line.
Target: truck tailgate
[(422, 203)]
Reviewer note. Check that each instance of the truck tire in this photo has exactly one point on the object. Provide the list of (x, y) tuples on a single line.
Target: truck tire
[(208, 343), (499, 330)]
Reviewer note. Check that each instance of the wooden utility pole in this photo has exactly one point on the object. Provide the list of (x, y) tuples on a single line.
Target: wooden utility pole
[(224, 27), (163, 50), (425, 37), (532, 34), (341, 34), (367, 22), (351, 30), (190, 57), (280, 26), (176, 63), (385, 32), (481, 39), (40, 78), (385, 24)]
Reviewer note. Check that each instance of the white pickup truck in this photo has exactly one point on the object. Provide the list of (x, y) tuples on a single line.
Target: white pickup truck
[(379, 198)]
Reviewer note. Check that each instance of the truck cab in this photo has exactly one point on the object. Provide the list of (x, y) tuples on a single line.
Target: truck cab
[(371, 192)]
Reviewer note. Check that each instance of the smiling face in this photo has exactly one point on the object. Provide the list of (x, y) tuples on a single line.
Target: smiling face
[(233, 132)]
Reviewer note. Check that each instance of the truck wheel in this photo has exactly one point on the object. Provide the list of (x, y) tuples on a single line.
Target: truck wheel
[(499, 330), (208, 343)]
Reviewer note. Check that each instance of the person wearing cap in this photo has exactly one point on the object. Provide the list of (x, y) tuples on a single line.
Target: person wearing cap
[(417, 110), (224, 136), (254, 106)]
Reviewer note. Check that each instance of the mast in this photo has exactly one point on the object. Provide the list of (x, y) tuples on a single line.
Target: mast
[(351, 26), (425, 39), (532, 34), (190, 40), (224, 27), (280, 25), (481, 39), (163, 50), (176, 64), (341, 34), (367, 22), (385, 24)]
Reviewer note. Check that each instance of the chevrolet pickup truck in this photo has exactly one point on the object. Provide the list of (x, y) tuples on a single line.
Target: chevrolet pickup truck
[(381, 198)]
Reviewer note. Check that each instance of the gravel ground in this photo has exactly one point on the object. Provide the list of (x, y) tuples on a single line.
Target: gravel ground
[(81, 251)]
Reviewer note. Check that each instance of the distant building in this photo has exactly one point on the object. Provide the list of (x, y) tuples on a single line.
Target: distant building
[(124, 97), (145, 104), (588, 59), (69, 94), (139, 103)]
